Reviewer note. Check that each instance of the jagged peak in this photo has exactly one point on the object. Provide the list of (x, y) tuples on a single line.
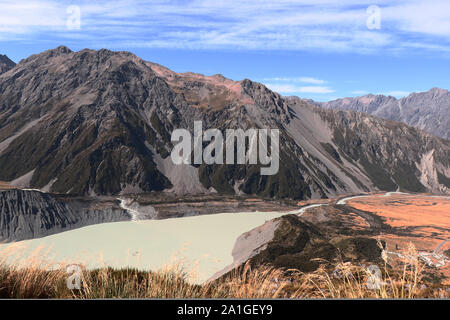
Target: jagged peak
[(5, 59), (62, 49), (58, 51), (438, 90), (6, 63)]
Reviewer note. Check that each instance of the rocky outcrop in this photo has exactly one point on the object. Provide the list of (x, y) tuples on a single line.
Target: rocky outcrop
[(33, 214), (6, 64)]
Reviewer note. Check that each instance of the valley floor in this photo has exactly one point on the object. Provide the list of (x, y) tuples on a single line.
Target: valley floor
[(199, 246)]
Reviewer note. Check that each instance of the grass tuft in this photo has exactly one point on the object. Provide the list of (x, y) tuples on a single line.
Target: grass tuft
[(402, 279)]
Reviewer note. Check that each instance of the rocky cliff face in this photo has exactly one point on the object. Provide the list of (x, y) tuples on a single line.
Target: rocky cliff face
[(429, 111), (33, 214), (99, 123), (5, 63)]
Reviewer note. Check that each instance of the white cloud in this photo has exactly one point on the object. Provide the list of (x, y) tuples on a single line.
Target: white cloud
[(312, 80), (330, 25), (426, 17), (289, 88), (293, 85), (21, 18), (316, 89), (296, 79)]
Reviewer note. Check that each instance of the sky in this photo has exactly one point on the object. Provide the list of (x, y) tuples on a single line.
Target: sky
[(321, 50)]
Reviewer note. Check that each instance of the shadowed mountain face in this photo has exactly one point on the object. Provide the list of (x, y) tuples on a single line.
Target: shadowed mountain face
[(33, 214), (99, 122), (429, 111), (5, 64)]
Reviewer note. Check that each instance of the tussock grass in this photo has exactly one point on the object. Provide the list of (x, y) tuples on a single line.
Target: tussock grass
[(403, 279)]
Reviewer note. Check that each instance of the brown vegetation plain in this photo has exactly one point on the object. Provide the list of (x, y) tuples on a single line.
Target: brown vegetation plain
[(419, 219)]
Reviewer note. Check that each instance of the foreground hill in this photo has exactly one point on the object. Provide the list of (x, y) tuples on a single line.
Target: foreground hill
[(429, 111), (99, 122)]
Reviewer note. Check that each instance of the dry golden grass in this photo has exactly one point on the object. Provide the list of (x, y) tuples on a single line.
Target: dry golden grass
[(401, 210), (403, 280), (426, 219)]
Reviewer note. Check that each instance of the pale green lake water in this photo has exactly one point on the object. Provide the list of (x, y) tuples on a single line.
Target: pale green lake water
[(202, 243)]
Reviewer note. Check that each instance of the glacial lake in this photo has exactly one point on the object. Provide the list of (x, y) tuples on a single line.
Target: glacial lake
[(201, 244)]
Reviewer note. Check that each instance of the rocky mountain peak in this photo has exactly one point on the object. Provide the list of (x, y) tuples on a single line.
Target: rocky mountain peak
[(62, 50), (6, 64), (438, 91)]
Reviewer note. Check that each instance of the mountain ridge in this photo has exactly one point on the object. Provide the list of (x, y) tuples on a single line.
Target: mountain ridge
[(6, 64), (428, 111), (99, 122)]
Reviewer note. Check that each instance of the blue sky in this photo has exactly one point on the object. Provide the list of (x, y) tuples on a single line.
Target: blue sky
[(323, 49)]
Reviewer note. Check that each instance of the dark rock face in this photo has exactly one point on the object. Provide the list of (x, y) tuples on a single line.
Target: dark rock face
[(99, 123), (5, 64), (295, 245), (92, 134), (33, 214), (429, 111)]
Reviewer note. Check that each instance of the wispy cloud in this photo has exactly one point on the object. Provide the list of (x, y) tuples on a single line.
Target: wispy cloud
[(291, 89), (293, 85), (312, 80), (315, 89), (296, 79), (331, 25)]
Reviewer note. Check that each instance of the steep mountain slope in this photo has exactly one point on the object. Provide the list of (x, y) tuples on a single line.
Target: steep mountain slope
[(5, 63), (429, 111), (99, 122), (33, 214)]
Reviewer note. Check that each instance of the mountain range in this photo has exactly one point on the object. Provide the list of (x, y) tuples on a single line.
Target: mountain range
[(429, 111), (100, 122)]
